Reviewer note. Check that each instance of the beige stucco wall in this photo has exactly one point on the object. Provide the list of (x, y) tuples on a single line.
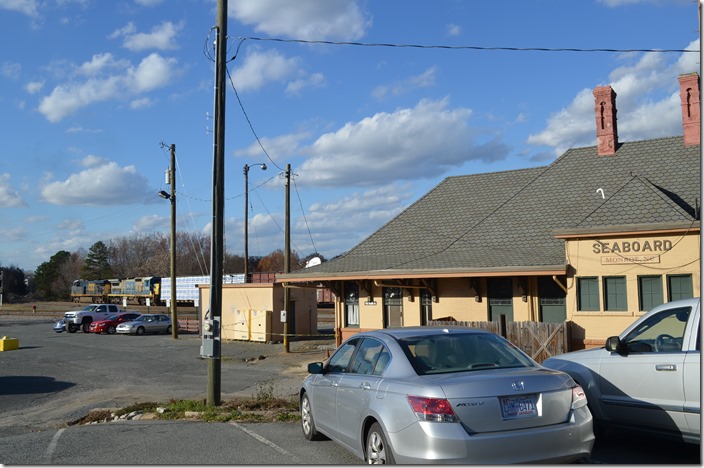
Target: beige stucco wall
[(455, 299), (636, 256), (253, 311)]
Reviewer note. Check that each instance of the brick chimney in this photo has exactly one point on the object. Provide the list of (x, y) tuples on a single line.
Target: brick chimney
[(691, 113), (606, 131)]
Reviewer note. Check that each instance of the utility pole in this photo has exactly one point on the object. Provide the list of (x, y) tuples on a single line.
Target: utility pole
[(216, 248), (172, 182), (287, 255), (246, 218)]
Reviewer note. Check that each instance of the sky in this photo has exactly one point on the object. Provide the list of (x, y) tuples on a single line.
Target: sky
[(93, 93)]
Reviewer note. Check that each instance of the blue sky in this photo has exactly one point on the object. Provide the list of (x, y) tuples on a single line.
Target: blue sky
[(93, 93)]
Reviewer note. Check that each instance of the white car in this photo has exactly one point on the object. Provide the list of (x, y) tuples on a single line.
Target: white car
[(647, 379)]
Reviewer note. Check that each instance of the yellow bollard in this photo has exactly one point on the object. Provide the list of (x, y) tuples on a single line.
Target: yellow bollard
[(8, 344)]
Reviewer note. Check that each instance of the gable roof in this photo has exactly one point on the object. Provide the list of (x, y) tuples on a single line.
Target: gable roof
[(506, 221)]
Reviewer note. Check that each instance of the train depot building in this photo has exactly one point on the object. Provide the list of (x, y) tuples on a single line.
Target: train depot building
[(596, 238)]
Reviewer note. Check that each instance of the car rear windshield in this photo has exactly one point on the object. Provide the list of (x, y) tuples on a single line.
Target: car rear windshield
[(462, 352)]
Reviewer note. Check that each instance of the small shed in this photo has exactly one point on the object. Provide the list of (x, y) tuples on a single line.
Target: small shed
[(253, 312)]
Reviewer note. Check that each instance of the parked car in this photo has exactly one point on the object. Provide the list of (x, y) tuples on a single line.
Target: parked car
[(647, 379), (60, 326), (111, 322), (147, 323), (444, 395)]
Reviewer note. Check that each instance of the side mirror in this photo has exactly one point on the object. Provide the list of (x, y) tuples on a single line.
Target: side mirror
[(614, 345), (315, 368)]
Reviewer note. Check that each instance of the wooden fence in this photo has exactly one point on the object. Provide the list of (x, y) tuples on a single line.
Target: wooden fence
[(537, 339), (188, 325)]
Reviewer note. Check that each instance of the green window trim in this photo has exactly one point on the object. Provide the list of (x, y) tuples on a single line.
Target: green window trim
[(615, 294), (650, 292), (588, 294)]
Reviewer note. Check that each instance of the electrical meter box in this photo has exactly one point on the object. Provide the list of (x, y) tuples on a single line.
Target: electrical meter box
[(210, 344)]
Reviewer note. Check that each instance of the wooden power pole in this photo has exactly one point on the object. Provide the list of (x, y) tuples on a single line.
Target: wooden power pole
[(216, 243)]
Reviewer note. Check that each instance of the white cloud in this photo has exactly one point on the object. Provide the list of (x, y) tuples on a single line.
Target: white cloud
[(424, 80), (26, 7), (316, 80), (645, 89), (303, 19), (102, 183), (9, 197), (161, 37), (100, 62), (34, 87), (150, 223), (141, 103), (260, 68), (454, 30), (13, 234), (148, 3), (277, 148), (416, 143), (11, 70), (153, 72)]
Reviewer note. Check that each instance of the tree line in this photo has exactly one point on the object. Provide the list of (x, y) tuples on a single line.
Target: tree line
[(129, 257)]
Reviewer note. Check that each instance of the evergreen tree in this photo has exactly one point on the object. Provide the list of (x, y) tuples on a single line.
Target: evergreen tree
[(97, 263), (47, 277)]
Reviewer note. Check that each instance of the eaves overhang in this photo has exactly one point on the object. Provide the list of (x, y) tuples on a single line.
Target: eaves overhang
[(629, 230), (308, 277)]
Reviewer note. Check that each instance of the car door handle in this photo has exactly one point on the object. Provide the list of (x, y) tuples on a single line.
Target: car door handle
[(665, 367), (365, 386)]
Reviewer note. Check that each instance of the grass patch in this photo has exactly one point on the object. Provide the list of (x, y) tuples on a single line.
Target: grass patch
[(262, 406)]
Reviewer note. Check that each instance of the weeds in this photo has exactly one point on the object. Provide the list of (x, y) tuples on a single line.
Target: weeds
[(262, 406)]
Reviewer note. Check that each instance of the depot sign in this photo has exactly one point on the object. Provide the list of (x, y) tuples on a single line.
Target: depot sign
[(647, 251)]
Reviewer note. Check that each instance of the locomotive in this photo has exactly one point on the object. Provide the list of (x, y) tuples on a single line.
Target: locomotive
[(117, 290)]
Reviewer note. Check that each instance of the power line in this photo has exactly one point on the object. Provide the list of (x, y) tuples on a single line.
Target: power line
[(300, 202), (458, 47)]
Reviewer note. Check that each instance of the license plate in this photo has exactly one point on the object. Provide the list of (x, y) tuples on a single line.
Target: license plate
[(523, 406)]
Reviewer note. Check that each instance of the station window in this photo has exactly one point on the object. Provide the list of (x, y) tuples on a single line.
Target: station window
[(615, 293), (588, 293), (679, 287), (650, 292)]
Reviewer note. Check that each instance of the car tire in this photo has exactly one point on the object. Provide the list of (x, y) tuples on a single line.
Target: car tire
[(377, 450), (168, 330), (71, 328), (85, 327), (111, 329), (307, 422), (140, 331)]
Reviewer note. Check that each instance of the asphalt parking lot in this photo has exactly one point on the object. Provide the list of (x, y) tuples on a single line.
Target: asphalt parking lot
[(54, 378)]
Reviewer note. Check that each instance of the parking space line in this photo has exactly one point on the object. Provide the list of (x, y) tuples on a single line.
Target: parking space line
[(52, 446), (266, 441)]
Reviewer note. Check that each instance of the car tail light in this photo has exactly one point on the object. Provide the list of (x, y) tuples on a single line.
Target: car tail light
[(579, 398), (432, 409)]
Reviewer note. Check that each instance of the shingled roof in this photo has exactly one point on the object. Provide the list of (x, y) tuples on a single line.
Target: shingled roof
[(507, 221)]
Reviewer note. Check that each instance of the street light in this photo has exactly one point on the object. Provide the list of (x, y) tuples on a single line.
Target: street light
[(246, 216), (172, 198)]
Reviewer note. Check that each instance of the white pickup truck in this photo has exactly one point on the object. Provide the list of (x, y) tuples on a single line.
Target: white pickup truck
[(647, 379), (76, 319)]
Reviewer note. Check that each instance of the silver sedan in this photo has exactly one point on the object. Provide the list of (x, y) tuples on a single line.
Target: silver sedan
[(147, 323), (444, 395)]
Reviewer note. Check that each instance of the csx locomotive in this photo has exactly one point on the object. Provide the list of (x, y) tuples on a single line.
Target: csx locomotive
[(116, 290)]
